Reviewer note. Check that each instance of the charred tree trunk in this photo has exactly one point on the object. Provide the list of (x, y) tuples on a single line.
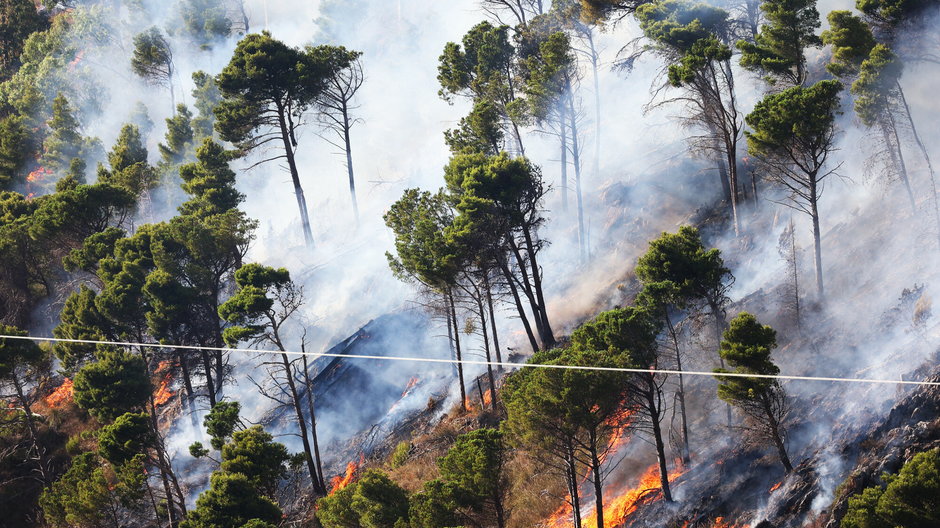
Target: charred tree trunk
[(286, 137), (719, 320), (598, 481), (653, 400), (527, 287), (572, 477)]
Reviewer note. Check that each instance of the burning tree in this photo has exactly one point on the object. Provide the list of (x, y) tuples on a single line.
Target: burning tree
[(746, 347), (264, 300), (629, 335), (569, 415)]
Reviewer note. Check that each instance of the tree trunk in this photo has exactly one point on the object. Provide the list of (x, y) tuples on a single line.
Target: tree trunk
[(453, 318), (210, 386), (486, 349), (527, 288), (576, 161), (598, 482), (686, 456), (923, 149), (302, 422), (817, 243), (313, 423), (573, 490), (187, 380), (548, 339), (597, 103), (719, 331), (30, 426), (295, 177), (349, 162), (563, 135), (893, 143), (489, 302), (778, 441), (653, 409), (519, 308)]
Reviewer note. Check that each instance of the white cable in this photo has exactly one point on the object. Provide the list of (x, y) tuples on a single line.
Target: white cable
[(476, 362)]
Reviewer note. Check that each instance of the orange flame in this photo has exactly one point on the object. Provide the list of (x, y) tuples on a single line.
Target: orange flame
[(78, 58), (488, 397), (411, 384), (618, 510), (38, 175), (341, 481), (163, 393), (61, 395), (776, 486), (720, 523)]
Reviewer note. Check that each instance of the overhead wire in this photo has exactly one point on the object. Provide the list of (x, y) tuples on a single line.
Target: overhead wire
[(504, 364)]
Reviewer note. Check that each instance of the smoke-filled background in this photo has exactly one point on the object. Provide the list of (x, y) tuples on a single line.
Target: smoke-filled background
[(644, 181)]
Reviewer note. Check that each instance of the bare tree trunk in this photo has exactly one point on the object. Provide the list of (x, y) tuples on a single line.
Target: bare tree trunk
[(653, 409), (817, 237), (576, 160), (453, 318), (923, 149), (563, 135), (519, 308), (686, 456), (778, 441), (573, 491), (489, 302), (31, 427), (302, 423), (349, 163), (313, 422), (893, 143), (210, 386), (486, 349), (548, 337), (295, 177), (598, 481), (187, 380)]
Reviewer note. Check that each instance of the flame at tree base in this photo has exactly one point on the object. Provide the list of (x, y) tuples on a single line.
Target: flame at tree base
[(341, 481)]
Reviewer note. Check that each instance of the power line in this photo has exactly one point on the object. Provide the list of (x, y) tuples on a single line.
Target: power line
[(477, 362)]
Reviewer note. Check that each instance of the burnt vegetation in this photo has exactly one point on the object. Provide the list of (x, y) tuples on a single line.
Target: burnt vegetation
[(532, 369)]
